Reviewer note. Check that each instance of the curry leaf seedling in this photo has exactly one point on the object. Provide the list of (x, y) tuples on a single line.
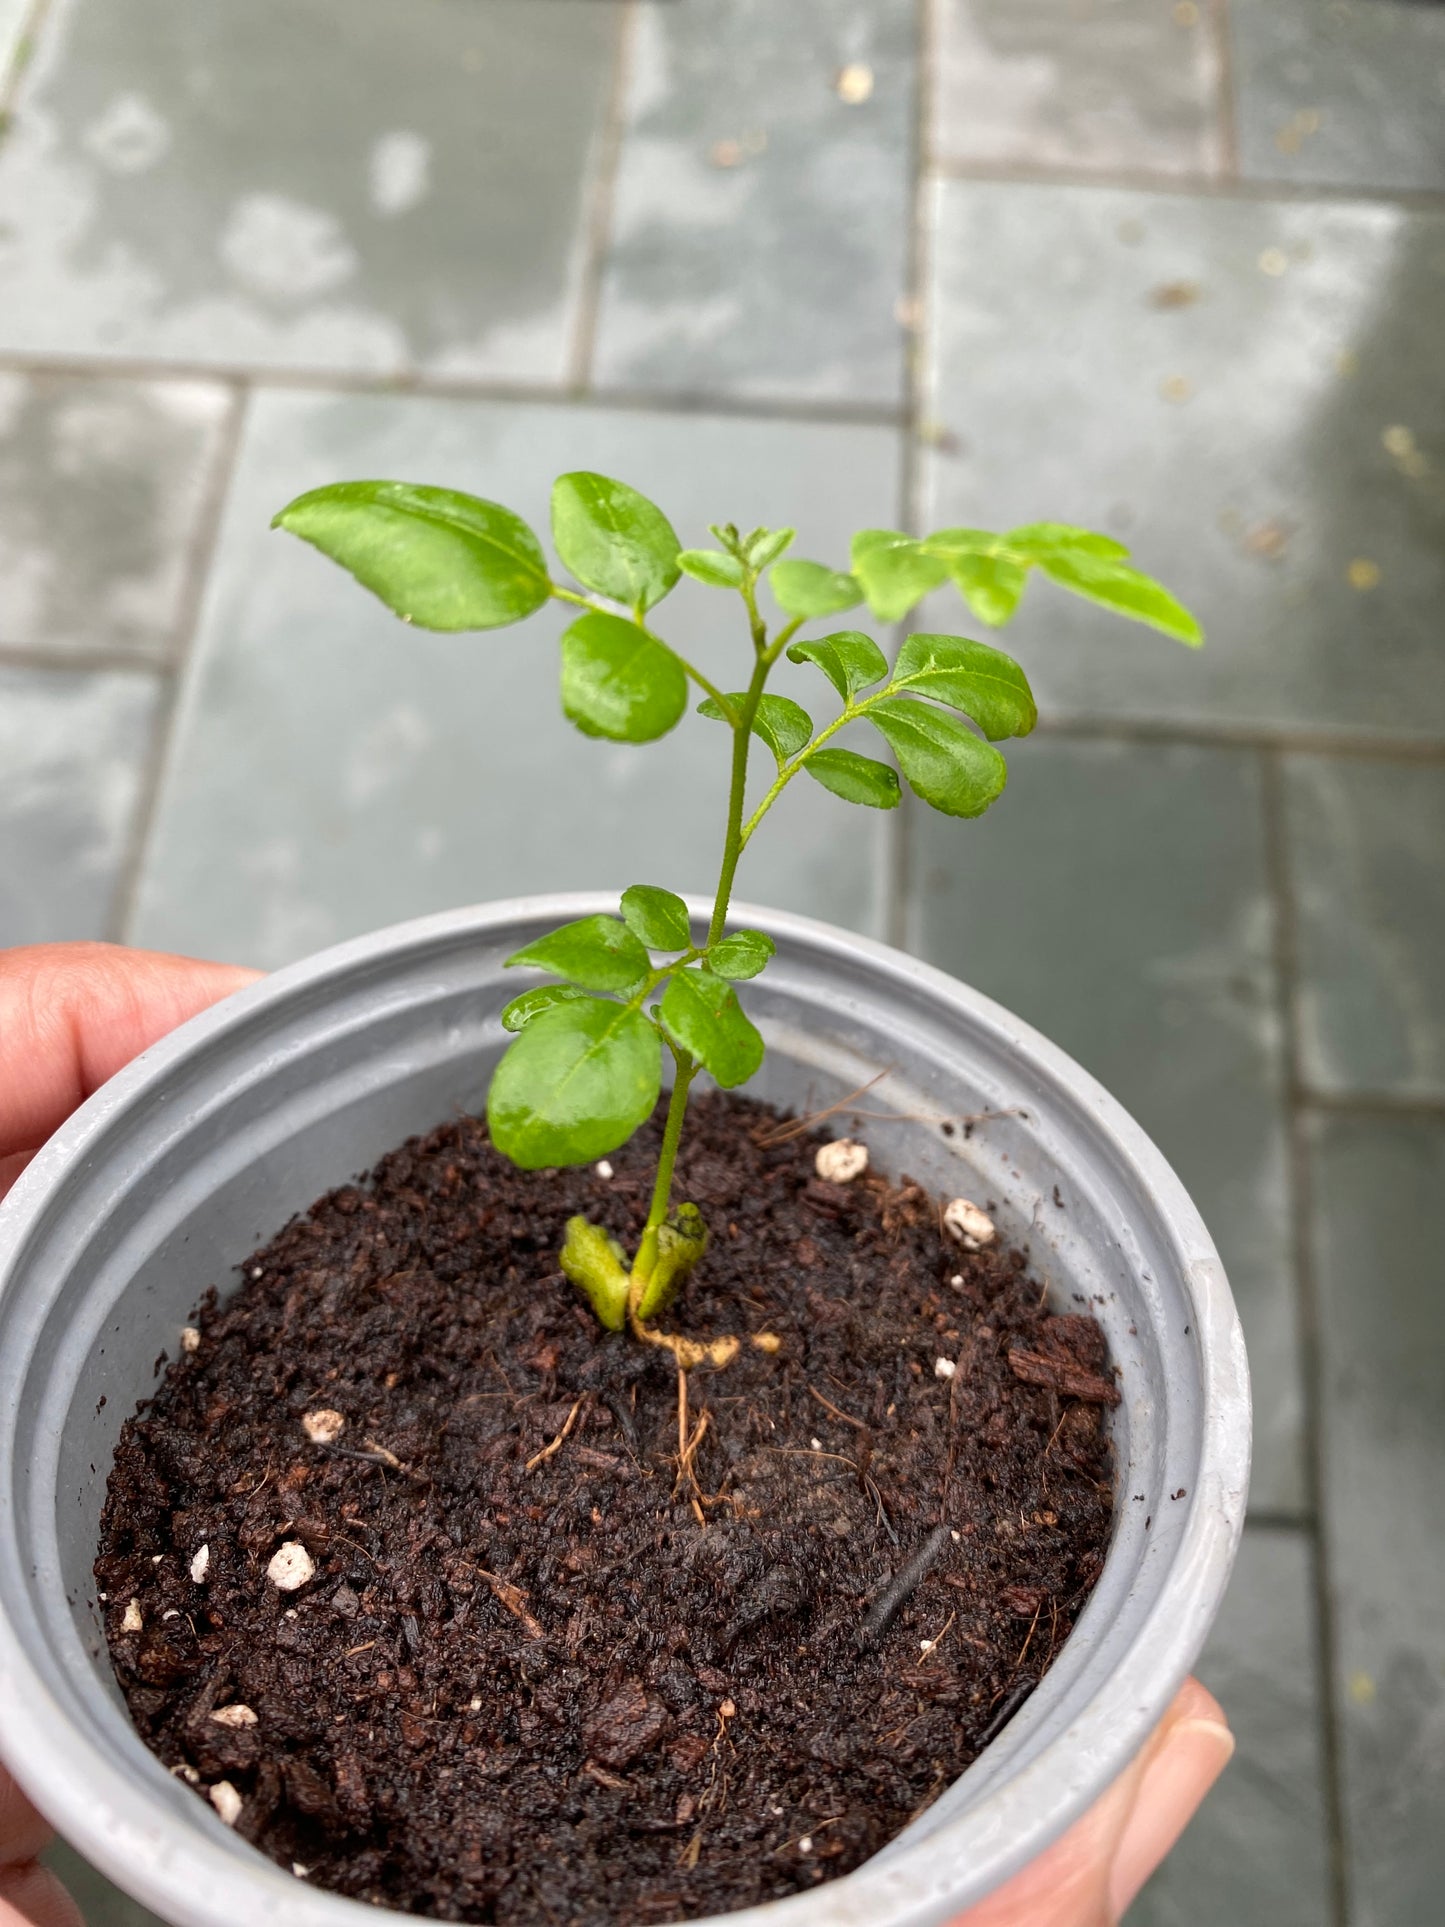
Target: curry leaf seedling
[(584, 1069)]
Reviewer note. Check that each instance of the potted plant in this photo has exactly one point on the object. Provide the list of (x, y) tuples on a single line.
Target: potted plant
[(689, 1585)]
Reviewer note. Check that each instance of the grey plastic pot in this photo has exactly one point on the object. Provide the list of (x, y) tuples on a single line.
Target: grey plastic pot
[(205, 1145)]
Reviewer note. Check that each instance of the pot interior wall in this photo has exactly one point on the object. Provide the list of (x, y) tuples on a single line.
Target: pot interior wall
[(283, 1096)]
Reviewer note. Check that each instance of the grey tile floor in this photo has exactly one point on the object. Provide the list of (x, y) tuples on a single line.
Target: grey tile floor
[(1173, 267)]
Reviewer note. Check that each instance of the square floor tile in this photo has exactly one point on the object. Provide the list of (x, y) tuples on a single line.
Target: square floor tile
[(290, 183), (1379, 1189), (1116, 897), (75, 751), (1258, 1851), (1249, 394), (1108, 84), (1367, 859), (102, 487), (334, 771), (1341, 93), (760, 226)]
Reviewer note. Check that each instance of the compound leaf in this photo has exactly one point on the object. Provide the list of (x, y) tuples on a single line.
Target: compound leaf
[(813, 589), (857, 779), (972, 676), (657, 918), (941, 758), (600, 953), (895, 570), (435, 557), (850, 660), (701, 1013), (575, 1084), (613, 539), (741, 954), (618, 681)]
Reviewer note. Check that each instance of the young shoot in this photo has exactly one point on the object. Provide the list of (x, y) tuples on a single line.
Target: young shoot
[(584, 1069)]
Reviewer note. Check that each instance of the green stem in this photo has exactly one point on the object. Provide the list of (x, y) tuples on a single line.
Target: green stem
[(786, 775), (662, 1185), (742, 728)]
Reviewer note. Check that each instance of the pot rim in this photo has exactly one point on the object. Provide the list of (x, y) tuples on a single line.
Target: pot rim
[(192, 1874)]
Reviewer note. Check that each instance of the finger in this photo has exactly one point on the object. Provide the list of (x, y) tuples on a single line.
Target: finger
[(1073, 1882), (31, 1896), (22, 1831), (71, 1014), (1196, 1748)]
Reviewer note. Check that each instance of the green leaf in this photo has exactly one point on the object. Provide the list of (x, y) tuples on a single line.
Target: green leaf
[(953, 543), (656, 917), (520, 1012), (850, 660), (942, 759), (435, 557), (972, 676), (785, 726), (741, 954), (767, 545), (857, 779), (1124, 590), (575, 1085), (711, 566), (895, 571), (620, 682), (613, 539), (701, 1013), (600, 953), (1036, 537), (990, 584), (811, 589)]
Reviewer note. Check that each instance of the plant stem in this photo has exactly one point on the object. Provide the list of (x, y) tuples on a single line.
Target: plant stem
[(667, 1158), (742, 728)]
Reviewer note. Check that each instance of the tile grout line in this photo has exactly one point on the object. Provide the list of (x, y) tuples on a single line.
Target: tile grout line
[(203, 547), (1182, 186), (1227, 98), (915, 322), (1286, 958), (83, 662), (1382, 1107), (395, 386), (1383, 749), (601, 206)]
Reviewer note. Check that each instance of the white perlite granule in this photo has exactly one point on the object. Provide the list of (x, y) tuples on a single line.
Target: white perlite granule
[(291, 1567), (323, 1426), (972, 1228), (227, 1802), (200, 1565), (841, 1161)]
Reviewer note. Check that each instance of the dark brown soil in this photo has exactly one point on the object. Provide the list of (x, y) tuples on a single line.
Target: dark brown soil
[(588, 1687)]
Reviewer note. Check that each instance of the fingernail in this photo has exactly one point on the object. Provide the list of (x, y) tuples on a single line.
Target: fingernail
[(1186, 1766)]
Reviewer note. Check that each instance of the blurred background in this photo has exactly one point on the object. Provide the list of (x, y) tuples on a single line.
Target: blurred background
[(1172, 268)]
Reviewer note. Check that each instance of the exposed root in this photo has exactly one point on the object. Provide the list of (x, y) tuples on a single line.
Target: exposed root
[(539, 1458)]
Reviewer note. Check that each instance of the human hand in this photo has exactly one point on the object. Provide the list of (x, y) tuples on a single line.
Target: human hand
[(70, 1016), (1092, 1875)]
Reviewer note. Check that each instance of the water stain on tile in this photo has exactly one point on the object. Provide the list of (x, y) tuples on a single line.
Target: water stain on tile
[(1087, 84), (1236, 443), (762, 203), (101, 488), (76, 750), (401, 210)]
